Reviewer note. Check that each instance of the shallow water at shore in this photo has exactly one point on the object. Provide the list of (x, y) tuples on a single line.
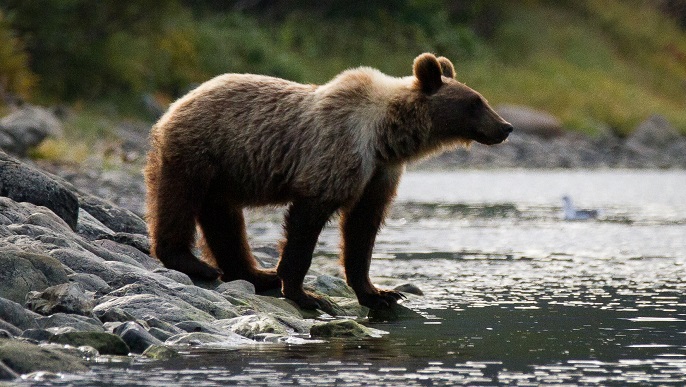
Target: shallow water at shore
[(513, 293)]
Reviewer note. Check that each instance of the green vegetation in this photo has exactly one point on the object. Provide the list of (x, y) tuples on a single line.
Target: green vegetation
[(593, 64)]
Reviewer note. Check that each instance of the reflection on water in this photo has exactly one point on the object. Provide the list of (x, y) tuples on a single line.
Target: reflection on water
[(513, 294)]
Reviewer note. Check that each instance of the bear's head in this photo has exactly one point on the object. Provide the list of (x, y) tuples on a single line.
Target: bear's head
[(457, 112)]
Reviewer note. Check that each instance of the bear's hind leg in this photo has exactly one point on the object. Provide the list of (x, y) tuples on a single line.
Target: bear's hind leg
[(225, 240), (171, 217)]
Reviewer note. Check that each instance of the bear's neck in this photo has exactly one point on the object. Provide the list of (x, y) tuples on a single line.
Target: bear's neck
[(403, 135)]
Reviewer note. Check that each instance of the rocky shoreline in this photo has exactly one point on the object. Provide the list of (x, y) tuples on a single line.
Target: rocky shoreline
[(77, 283)]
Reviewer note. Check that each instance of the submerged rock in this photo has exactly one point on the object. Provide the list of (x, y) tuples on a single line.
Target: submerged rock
[(23, 357), (343, 328), (207, 339), (161, 352), (105, 343), (136, 337), (253, 325)]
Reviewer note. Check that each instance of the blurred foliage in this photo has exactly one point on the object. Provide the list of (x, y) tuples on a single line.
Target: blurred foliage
[(593, 64), (15, 76)]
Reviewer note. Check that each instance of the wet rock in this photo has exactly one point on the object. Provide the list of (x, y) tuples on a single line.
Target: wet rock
[(114, 315), (105, 343), (24, 272), (394, 313), (531, 121), (5, 326), (143, 306), (331, 286), (27, 127), (177, 276), (91, 283), (90, 228), (66, 298), (6, 373), (136, 337), (16, 315), (115, 218), (79, 323), (409, 289), (344, 306), (84, 352), (206, 339), (253, 325), (342, 328), (85, 262), (23, 357), (22, 183), (154, 322), (137, 241), (236, 287), (160, 352), (38, 334), (129, 254), (195, 326)]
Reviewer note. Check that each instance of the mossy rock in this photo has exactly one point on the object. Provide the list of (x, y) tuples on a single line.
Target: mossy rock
[(105, 343), (342, 328), (23, 357), (160, 352)]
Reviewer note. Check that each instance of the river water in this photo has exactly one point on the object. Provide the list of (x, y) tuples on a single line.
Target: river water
[(514, 294)]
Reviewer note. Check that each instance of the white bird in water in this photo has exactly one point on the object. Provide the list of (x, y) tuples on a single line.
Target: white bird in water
[(571, 213)]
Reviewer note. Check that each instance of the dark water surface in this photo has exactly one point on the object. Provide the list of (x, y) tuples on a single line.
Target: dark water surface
[(513, 293)]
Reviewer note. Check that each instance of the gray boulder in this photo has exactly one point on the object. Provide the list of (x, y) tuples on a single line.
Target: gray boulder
[(115, 218), (23, 357), (85, 262), (229, 339), (27, 127), (5, 326), (77, 322), (16, 315), (91, 283), (22, 183), (143, 306), (69, 297), (136, 337), (654, 132), (252, 326), (105, 343), (22, 272), (343, 328)]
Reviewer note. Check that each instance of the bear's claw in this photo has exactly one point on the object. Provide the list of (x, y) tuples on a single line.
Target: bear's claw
[(381, 300)]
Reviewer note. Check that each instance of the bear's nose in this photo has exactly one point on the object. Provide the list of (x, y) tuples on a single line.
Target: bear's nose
[(508, 128)]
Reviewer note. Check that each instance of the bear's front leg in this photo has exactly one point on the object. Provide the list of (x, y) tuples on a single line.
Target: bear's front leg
[(359, 226), (304, 223)]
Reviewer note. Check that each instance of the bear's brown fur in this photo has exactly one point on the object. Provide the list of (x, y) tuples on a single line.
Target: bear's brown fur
[(243, 140)]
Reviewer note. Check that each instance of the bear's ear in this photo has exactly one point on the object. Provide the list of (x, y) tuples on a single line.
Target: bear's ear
[(427, 70), (447, 67)]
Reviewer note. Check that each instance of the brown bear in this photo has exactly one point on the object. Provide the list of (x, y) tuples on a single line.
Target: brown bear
[(242, 140)]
